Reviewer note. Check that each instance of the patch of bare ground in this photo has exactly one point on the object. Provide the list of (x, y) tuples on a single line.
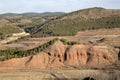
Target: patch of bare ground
[(113, 31), (28, 44), (14, 36)]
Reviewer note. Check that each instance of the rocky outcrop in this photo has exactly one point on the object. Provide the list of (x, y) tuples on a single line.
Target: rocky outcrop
[(76, 55), (59, 55), (102, 55)]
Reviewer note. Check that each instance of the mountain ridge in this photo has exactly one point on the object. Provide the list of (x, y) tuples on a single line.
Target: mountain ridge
[(32, 14)]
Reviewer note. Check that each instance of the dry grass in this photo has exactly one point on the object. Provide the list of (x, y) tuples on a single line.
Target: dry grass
[(69, 74), (96, 74), (25, 75)]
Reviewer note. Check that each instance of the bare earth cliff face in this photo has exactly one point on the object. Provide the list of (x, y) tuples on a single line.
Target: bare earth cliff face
[(59, 55)]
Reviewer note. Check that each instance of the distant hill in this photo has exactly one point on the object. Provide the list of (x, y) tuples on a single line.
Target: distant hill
[(31, 14), (52, 13), (12, 23), (86, 19), (8, 15)]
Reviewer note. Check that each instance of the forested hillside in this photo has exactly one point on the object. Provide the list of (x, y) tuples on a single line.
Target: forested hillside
[(87, 19)]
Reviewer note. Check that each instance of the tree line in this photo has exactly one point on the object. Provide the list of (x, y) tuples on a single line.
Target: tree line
[(16, 53)]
